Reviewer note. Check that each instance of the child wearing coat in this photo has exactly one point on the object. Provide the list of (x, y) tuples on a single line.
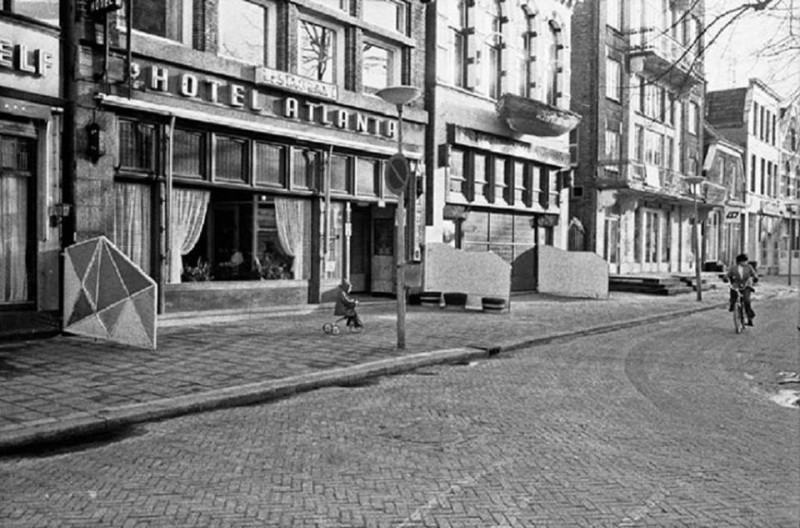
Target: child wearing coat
[(346, 305)]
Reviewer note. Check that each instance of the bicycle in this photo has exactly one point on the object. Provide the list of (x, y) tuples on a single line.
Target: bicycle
[(333, 328), (738, 310)]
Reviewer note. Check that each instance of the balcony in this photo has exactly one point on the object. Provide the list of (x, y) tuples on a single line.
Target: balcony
[(658, 54), (528, 116), (649, 179)]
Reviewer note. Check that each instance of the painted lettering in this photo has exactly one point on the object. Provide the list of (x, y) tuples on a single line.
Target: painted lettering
[(189, 85)]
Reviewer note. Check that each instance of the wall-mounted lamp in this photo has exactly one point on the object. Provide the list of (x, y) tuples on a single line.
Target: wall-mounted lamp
[(94, 142)]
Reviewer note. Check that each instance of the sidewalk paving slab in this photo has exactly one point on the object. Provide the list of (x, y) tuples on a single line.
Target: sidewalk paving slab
[(66, 386)]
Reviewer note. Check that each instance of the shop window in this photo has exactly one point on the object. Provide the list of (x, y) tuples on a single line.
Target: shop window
[(318, 50), (367, 176), (380, 66), (244, 31), (270, 165), (133, 215), (170, 20), (188, 154), (16, 226), (475, 232), (305, 165), (334, 257), (230, 158), (389, 14), (283, 243), (42, 10), (137, 146)]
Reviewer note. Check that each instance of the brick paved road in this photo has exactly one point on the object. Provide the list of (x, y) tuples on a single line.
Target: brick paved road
[(670, 426), (70, 376)]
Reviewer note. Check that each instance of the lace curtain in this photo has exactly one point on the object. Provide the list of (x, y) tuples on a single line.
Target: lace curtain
[(189, 208), (13, 238), (133, 222), (290, 220)]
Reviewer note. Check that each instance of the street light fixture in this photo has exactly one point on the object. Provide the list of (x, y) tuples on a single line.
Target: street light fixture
[(694, 181), (400, 96)]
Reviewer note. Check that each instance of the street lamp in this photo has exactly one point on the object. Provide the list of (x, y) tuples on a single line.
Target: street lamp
[(694, 181), (400, 96)]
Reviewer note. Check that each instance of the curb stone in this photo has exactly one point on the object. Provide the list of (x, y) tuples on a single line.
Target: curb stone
[(109, 419)]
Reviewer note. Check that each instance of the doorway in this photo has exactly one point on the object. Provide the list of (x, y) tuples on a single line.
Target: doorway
[(360, 251)]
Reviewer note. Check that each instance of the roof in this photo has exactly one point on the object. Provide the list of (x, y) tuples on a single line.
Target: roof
[(726, 108)]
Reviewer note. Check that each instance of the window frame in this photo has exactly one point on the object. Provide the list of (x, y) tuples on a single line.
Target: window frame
[(337, 62), (394, 69), (269, 52), (184, 20)]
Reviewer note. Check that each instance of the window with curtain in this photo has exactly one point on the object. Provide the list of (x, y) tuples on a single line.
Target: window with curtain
[(16, 184), (230, 159), (188, 215), (133, 222), (500, 179), (521, 185)]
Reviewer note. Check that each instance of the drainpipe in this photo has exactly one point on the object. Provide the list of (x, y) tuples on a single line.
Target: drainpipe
[(69, 69), (165, 269)]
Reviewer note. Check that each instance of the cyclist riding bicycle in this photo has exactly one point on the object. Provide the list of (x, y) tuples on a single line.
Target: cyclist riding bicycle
[(742, 277)]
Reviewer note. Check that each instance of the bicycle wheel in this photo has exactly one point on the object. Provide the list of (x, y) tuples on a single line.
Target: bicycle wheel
[(327, 328), (738, 317)]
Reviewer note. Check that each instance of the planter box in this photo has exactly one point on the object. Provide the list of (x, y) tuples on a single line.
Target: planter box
[(234, 295)]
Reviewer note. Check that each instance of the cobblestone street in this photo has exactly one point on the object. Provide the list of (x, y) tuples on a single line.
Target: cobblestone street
[(665, 425)]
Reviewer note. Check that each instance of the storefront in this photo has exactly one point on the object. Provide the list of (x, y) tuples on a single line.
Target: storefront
[(30, 168), (241, 195)]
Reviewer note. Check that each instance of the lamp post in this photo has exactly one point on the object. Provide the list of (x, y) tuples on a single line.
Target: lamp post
[(400, 96), (694, 181)]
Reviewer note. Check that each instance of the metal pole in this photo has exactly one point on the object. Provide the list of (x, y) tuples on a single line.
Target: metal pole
[(400, 245), (697, 250)]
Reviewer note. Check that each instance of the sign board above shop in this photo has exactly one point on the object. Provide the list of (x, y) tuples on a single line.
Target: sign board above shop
[(295, 83), (29, 60)]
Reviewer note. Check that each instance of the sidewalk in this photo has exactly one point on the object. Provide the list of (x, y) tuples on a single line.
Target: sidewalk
[(66, 386)]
